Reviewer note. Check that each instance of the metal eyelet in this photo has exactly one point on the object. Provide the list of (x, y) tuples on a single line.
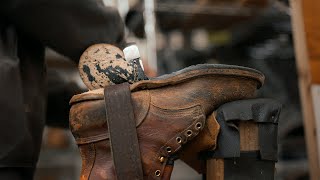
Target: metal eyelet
[(157, 173), (198, 125), (169, 149), (189, 133), (179, 140)]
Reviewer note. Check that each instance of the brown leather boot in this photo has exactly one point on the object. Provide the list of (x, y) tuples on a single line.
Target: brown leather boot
[(169, 111), (207, 139)]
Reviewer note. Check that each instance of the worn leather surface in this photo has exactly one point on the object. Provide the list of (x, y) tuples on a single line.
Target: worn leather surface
[(122, 131), (168, 108), (207, 139), (89, 126)]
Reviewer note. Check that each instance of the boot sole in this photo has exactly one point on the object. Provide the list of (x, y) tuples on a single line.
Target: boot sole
[(186, 74)]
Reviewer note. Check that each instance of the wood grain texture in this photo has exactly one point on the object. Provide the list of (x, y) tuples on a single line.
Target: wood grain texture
[(315, 91), (304, 77), (311, 14), (249, 3), (215, 169), (315, 70), (248, 142), (249, 136)]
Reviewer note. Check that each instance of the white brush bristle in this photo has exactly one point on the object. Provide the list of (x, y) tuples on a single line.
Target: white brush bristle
[(131, 52)]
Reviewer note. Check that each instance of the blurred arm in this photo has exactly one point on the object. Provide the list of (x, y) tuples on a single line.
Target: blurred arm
[(67, 26)]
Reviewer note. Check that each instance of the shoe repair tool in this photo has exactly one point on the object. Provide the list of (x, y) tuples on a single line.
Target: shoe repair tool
[(103, 64)]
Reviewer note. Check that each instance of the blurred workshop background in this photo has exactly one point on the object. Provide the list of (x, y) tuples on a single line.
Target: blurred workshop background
[(173, 34)]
